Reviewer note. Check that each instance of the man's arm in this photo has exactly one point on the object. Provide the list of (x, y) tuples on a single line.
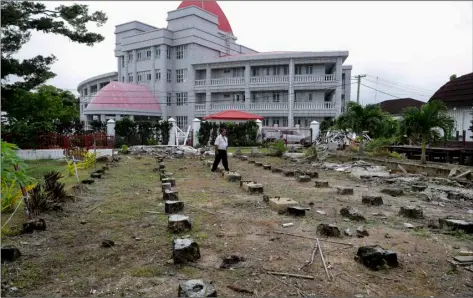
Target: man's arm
[(217, 141)]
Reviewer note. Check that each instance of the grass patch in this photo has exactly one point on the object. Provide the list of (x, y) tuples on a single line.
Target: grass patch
[(146, 271), (461, 235), (421, 233)]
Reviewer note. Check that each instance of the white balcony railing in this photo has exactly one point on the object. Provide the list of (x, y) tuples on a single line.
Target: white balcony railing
[(312, 78), (199, 107), (314, 105), (199, 83), (227, 106), (269, 106), (269, 79), (227, 81)]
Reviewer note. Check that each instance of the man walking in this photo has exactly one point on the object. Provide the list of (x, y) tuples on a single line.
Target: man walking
[(221, 144)]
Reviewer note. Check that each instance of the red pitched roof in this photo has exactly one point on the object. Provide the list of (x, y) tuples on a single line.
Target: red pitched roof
[(457, 92), (233, 115), (213, 8), (124, 96)]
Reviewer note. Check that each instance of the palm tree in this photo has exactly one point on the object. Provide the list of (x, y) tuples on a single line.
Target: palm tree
[(364, 118), (421, 121)]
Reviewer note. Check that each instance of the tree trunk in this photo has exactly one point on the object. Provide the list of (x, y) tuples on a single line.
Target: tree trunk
[(422, 155)]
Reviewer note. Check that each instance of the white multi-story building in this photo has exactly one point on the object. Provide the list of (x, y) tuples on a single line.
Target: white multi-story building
[(195, 67)]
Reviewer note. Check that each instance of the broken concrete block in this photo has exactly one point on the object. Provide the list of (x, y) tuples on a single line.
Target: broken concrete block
[(281, 204), (165, 186), (172, 207), (352, 213), (411, 212), (258, 164), (34, 225), (196, 288), (276, 170), (312, 174), (303, 178), (361, 232), (341, 190), (243, 157), (10, 254), (231, 262), (232, 177), (169, 180), (171, 195), (418, 187), (161, 166), (376, 257), (179, 223), (394, 192), (457, 196), (266, 167), (321, 184), (185, 250), (252, 187), (288, 173), (328, 230), (372, 200), (347, 232), (296, 210), (456, 224), (96, 175), (251, 161)]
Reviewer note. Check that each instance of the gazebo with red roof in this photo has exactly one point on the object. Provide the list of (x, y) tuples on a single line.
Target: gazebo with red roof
[(233, 115)]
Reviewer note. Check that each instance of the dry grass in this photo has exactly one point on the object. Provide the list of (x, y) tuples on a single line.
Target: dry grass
[(67, 260)]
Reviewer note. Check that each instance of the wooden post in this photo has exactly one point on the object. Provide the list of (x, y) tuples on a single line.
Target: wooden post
[(25, 196), (95, 154)]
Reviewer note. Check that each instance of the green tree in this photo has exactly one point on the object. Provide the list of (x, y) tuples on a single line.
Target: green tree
[(422, 121), (326, 124), (126, 129), (19, 19), (98, 126), (145, 130), (453, 77), (364, 118)]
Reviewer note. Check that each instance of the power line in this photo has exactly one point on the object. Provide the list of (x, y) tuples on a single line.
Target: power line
[(401, 88), (404, 85), (380, 91)]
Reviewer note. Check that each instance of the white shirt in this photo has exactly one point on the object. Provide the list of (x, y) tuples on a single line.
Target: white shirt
[(221, 142)]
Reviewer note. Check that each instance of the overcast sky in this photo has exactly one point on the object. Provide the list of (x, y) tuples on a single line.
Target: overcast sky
[(413, 47)]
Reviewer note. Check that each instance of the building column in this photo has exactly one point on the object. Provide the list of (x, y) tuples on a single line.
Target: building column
[(135, 60), (98, 87), (153, 66), (162, 84), (191, 98), (290, 119), (102, 117), (126, 68), (338, 90), (208, 94), (247, 87), (119, 61)]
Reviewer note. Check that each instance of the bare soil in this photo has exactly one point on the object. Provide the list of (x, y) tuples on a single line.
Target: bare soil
[(67, 259)]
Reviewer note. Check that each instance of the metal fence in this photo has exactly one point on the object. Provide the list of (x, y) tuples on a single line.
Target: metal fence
[(58, 141)]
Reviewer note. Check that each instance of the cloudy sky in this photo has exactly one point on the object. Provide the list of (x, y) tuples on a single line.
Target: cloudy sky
[(411, 47)]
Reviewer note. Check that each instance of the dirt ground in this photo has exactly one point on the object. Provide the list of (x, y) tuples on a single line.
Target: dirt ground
[(67, 259)]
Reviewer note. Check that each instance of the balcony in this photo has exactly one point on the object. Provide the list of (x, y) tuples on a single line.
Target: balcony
[(314, 79), (227, 81), (215, 107), (199, 107), (199, 83), (269, 106), (314, 106), (269, 80)]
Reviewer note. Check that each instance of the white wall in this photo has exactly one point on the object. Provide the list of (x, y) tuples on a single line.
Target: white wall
[(462, 117), (53, 153)]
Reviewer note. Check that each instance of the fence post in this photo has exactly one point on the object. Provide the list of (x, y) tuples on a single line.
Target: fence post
[(111, 128), (314, 126), (195, 132), (172, 132)]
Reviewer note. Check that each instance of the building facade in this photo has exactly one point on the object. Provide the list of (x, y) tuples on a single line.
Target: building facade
[(195, 67)]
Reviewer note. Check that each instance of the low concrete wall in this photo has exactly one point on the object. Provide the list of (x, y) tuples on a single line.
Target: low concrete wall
[(53, 153)]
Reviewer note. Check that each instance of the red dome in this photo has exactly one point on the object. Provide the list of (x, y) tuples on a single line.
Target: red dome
[(213, 8)]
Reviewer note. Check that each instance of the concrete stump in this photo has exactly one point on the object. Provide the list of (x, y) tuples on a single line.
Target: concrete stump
[(328, 230), (411, 212), (251, 161), (96, 175), (165, 186), (375, 257), (88, 181), (303, 178), (361, 232), (344, 190), (169, 180), (281, 204), (196, 288), (258, 164), (233, 177), (10, 254), (179, 223), (252, 187), (185, 250), (243, 157), (456, 224), (393, 192), (171, 195), (312, 174), (161, 166), (296, 210), (172, 207), (321, 184), (288, 173), (276, 170), (418, 187), (266, 167), (352, 213), (32, 225), (372, 200)]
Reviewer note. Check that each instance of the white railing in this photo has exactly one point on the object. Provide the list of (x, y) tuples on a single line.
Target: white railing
[(227, 106), (269, 79), (199, 107), (227, 81), (314, 105), (312, 78), (269, 106), (199, 83)]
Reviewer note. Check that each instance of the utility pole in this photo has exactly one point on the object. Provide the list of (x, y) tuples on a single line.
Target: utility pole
[(358, 90)]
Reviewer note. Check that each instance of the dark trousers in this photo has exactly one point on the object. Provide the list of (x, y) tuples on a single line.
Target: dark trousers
[(220, 156)]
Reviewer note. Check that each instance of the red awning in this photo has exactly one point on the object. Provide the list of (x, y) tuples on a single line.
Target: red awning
[(233, 115)]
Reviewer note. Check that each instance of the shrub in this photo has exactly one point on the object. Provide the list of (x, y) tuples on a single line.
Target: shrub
[(152, 142), (124, 149), (278, 147), (49, 195)]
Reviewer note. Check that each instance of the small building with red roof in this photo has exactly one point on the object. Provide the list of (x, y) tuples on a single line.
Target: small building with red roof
[(194, 67)]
